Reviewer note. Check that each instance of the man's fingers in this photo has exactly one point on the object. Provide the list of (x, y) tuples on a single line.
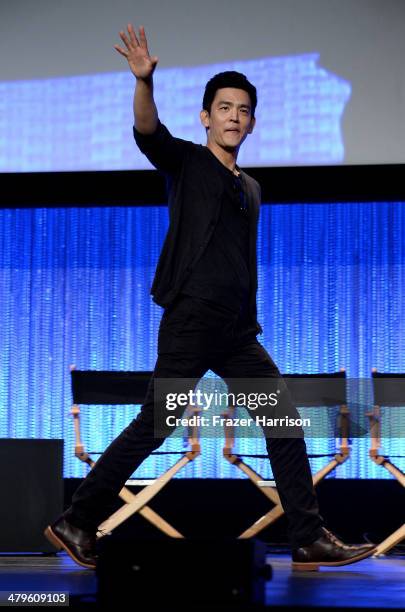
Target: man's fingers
[(125, 40), (132, 43), (142, 38), (132, 35), (124, 53)]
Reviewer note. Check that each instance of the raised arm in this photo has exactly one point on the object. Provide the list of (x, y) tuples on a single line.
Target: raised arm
[(163, 150), (142, 66)]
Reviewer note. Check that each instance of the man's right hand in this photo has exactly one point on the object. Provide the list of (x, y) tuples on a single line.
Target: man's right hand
[(140, 62)]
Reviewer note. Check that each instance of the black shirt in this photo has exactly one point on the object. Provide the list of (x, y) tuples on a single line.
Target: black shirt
[(222, 272), (195, 189)]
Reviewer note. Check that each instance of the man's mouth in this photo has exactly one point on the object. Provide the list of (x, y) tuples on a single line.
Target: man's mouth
[(232, 130)]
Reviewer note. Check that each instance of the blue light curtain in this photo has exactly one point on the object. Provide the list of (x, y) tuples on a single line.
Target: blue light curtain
[(74, 288)]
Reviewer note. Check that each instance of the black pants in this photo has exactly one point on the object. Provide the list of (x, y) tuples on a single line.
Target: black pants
[(195, 336)]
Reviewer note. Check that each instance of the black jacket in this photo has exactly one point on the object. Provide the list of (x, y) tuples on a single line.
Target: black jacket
[(194, 187)]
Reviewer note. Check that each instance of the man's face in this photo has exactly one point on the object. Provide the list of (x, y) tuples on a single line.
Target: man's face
[(230, 119)]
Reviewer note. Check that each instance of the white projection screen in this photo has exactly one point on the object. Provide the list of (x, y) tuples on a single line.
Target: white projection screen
[(330, 76)]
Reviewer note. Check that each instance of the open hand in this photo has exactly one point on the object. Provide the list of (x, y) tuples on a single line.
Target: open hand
[(140, 62)]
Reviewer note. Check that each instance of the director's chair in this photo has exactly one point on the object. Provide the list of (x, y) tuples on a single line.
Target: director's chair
[(119, 387), (389, 391), (307, 390)]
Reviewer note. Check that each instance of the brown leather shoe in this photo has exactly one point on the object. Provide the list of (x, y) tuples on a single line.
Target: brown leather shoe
[(351, 546), (79, 544), (328, 551)]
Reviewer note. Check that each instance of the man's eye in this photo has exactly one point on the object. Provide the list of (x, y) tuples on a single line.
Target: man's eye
[(223, 107)]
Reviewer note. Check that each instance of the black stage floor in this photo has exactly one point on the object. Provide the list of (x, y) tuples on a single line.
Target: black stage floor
[(376, 583)]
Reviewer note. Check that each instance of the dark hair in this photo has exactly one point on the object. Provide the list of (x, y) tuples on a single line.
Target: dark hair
[(231, 78)]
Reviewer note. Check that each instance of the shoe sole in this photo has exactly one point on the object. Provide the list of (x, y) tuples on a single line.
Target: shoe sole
[(314, 566), (53, 538)]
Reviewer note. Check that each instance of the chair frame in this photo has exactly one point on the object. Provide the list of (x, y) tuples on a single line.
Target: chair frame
[(134, 503), (378, 458), (267, 487)]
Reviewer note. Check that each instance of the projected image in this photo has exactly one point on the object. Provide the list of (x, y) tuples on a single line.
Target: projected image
[(85, 122)]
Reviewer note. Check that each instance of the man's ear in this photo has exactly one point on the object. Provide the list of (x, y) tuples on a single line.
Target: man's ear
[(252, 125), (205, 118)]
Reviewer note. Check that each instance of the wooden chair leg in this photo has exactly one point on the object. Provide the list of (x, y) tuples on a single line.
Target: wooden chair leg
[(275, 513), (398, 535), (142, 498), (125, 494), (150, 515), (271, 493), (137, 502), (392, 540)]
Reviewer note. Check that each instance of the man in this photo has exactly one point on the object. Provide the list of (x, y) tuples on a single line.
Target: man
[(206, 280)]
